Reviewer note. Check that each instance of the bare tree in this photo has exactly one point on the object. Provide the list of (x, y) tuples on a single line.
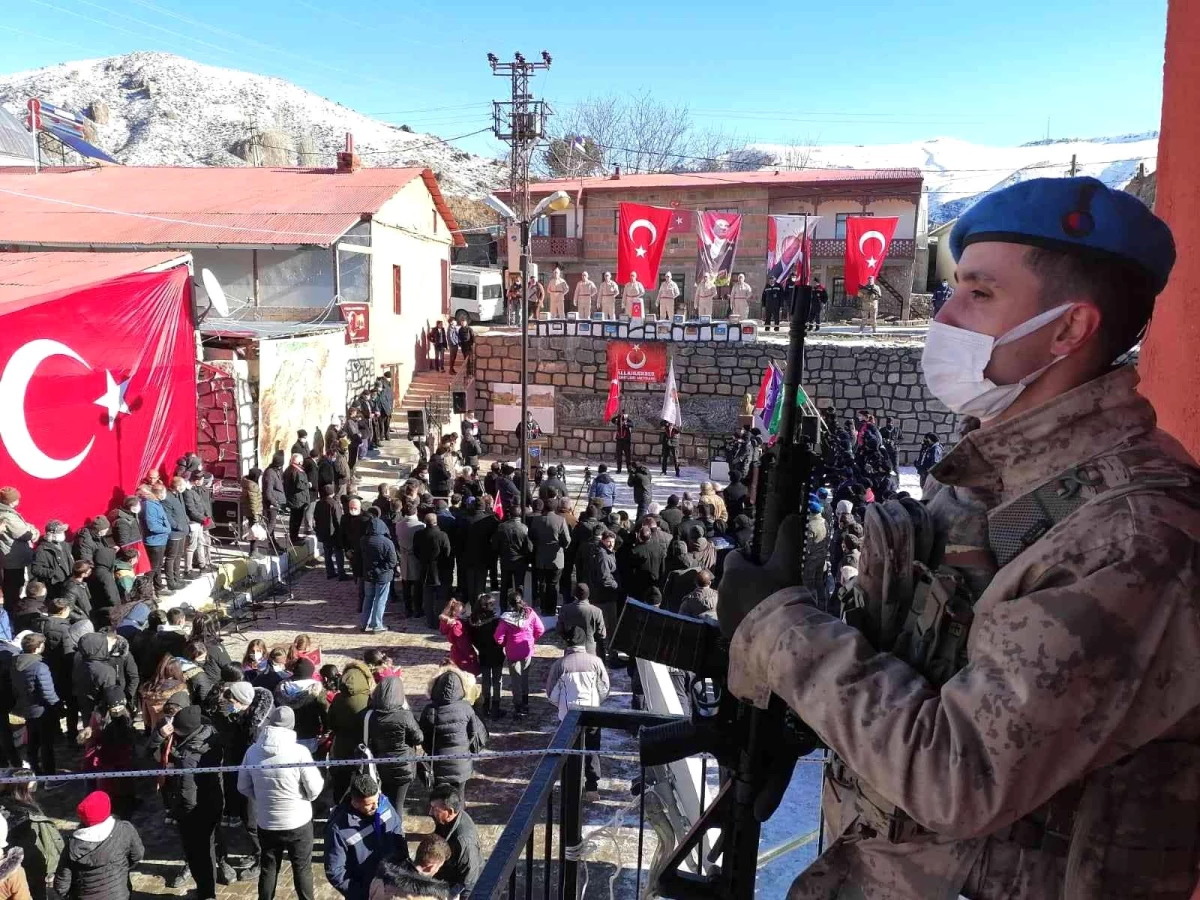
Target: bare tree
[(636, 133)]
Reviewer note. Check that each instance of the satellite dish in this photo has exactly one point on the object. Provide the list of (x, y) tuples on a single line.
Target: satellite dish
[(216, 294)]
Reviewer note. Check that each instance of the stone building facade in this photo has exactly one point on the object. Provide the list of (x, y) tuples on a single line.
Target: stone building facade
[(712, 379)]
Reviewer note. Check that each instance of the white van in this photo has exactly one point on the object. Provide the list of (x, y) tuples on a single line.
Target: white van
[(478, 292)]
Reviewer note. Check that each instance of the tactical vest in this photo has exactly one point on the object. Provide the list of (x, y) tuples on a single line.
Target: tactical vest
[(922, 612)]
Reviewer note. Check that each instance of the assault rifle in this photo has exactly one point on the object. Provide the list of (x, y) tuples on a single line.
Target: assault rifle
[(756, 749)]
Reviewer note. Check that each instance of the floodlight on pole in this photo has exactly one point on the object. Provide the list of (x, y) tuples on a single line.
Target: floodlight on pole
[(497, 205), (556, 202)]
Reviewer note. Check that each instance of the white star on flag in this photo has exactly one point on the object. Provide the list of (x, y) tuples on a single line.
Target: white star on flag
[(114, 399), (641, 251), (871, 262), (679, 220)]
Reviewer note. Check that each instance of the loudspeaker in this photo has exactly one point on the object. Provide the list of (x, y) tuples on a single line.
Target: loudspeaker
[(227, 519), (458, 400), (416, 423)]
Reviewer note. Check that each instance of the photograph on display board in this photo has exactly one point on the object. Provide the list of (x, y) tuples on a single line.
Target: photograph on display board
[(720, 332), (506, 407), (664, 331), (558, 327), (610, 329), (691, 332), (584, 328)]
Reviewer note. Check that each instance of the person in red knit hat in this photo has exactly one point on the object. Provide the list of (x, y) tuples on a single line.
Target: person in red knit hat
[(100, 854)]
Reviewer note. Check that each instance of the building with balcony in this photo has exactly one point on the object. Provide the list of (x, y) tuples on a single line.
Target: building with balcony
[(584, 238)]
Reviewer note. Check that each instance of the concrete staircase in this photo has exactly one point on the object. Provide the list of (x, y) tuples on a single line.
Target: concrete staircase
[(397, 455)]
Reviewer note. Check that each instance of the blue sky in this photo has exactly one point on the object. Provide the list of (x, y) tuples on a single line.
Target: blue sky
[(875, 71)]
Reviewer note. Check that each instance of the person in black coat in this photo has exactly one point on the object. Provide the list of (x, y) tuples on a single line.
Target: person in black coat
[(737, 498), (197, 801), (452, 822), (327, 523), (36, 701), (449, 726), (478, 556), (88, 538), (198, 504), (52, 559), (647, 562), (441, 474), (510, 494), (298, 492), (76, 591), (392, 731), (432, 547), (99, 854), (481, 629), (639, 480), (302, 446), (379, 560), (172, 503), (327, 471), (274, 496), (102, 585), (514, 550), (550, 537)]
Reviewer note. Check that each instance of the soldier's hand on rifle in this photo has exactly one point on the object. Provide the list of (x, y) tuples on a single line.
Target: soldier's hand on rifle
[(745, 584)]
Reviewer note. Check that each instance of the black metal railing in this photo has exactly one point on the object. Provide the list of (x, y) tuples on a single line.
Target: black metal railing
[(518, 868)]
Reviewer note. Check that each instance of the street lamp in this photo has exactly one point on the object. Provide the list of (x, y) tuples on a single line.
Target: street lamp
[(556, 202)]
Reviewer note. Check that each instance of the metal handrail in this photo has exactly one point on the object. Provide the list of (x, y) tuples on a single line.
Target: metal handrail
[(516, 841)]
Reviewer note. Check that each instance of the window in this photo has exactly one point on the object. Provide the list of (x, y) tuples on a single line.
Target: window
[(492, 292), (837, 292), (445, 287), (839, 228), (540, 227), (396, 304), (678, 279), (616, 221), (558, 226), (462, 291), (674, 242)]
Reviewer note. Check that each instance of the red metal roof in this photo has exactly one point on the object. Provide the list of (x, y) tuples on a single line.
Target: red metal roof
[(708, 180), (27, 275), (178, 207)]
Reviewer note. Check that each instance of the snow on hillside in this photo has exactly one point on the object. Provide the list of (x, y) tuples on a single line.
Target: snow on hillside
[(168, 110), (958, 172)]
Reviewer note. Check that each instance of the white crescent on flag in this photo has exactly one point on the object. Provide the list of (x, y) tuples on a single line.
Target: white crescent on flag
[(14, 430), (629, 357), (872, 234), (643, 223)]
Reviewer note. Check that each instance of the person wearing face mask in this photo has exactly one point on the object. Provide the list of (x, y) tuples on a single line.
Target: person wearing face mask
[(52, 562), (242, 711), (17, 538), (1023, 716)]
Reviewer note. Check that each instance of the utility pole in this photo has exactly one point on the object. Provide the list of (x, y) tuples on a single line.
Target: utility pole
[(1074, 167), (520, 122)]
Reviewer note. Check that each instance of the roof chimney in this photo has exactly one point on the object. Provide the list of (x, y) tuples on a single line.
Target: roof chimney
[(348, 160), (616, 175)]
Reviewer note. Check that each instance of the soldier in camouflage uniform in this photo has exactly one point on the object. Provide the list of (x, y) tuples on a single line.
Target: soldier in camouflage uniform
[(1017, 713)]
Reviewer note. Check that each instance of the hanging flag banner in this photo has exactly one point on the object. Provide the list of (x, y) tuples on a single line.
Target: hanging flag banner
[(670, 408), (786, 243), (868, 239), (97, 385), (613, 406), (646, 363), (357, 317), (641, 238), (682, 220), (716, 244)]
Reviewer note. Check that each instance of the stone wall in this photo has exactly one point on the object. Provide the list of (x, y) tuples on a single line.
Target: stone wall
[(713, 379), (360, 375)]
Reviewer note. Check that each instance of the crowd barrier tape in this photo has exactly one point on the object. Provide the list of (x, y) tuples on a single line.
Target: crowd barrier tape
[(482, 756)]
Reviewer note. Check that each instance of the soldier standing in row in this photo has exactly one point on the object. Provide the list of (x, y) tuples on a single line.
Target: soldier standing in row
[(1030, 726), (608, 296), (585, 294), (557, 289), (668, 293)]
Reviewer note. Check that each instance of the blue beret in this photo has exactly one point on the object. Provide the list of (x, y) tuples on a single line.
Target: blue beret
[(1080, 215)]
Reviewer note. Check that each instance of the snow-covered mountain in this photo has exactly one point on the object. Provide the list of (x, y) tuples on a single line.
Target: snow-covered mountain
[(959, 172), (161, 109)]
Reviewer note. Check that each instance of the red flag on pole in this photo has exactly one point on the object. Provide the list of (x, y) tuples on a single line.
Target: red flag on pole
[(614, 399), (868, 239), (640, 243)]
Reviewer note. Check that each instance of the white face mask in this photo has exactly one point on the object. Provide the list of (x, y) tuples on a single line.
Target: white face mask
[(954, 361)]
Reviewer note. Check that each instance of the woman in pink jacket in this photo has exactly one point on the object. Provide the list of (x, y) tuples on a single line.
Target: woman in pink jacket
[(518, 631)]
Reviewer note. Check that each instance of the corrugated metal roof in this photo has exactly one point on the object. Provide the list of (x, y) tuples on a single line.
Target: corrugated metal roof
[(27, 275), (709, 180), (177, 207), (262, 330)]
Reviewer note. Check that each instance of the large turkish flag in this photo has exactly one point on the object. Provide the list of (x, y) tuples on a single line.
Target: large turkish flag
[(868, 239), (97, 385), (640, 243)]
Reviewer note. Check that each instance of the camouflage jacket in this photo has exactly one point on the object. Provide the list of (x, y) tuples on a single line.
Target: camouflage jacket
[(1082, 679)]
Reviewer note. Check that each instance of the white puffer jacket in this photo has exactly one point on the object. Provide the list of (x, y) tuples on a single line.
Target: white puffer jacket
[(579, 679), (283, 797)]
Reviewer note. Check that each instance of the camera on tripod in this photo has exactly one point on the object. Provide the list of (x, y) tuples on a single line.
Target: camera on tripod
[(587, 476)]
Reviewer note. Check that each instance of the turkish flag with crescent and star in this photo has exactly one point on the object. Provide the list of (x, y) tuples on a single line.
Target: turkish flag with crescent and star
[(641, 237), (868, 239), (97, 385)]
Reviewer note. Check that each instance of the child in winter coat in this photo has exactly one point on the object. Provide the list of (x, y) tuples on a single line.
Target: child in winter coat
[(462, 653), (254, 662), (485, 618), (109, 748), (449, 726), (303, 647), (518, 631), (381, 665), (30, 829)]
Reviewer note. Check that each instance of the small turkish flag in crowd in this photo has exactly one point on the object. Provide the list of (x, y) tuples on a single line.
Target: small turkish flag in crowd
[(867, 241), (97, 385), (640, 241)]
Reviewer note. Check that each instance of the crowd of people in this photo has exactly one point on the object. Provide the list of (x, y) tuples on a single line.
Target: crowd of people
[(91, 642)]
